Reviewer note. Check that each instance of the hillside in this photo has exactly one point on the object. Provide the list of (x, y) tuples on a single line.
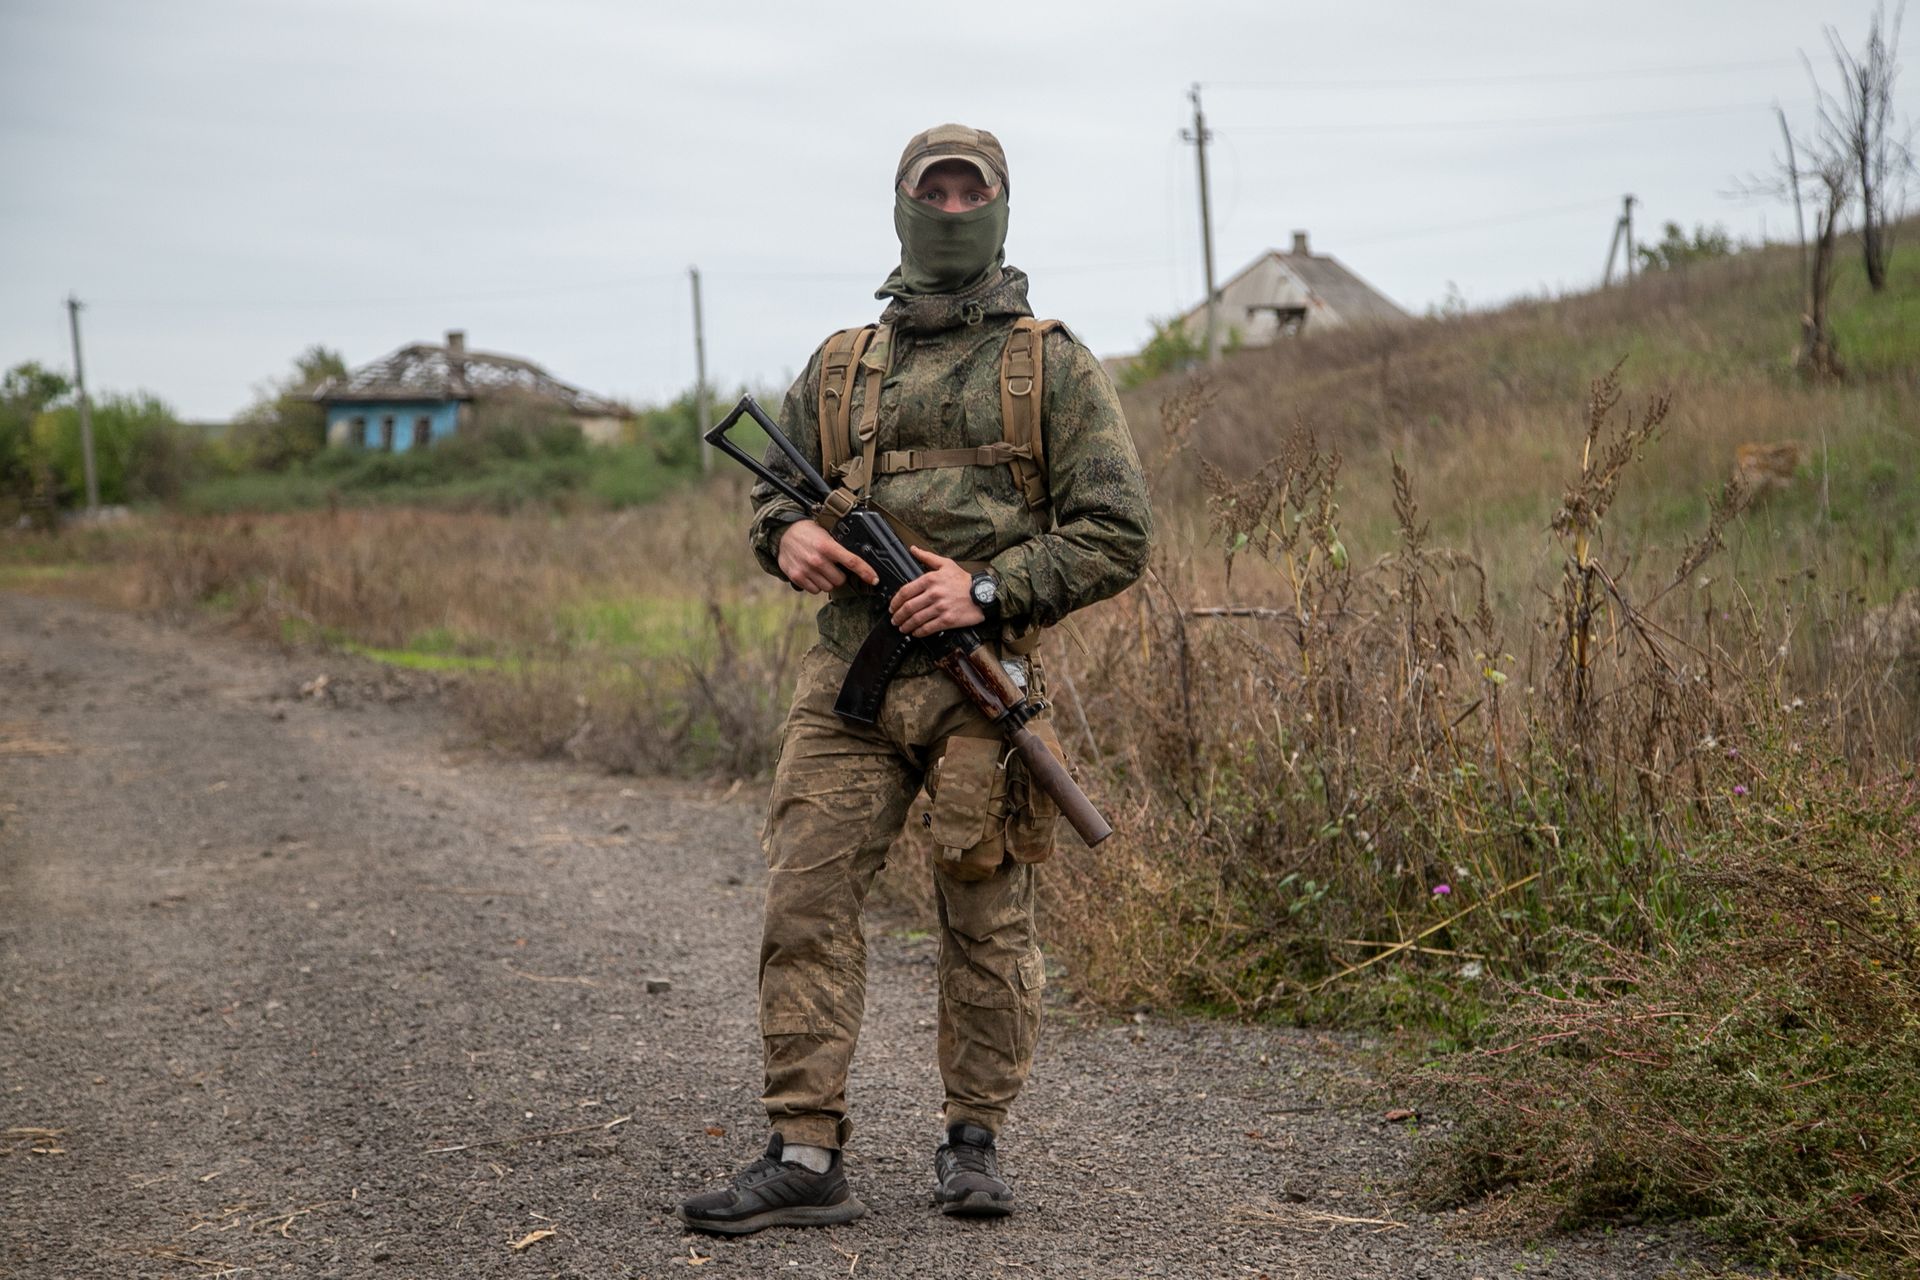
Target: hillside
[(1487, 412)]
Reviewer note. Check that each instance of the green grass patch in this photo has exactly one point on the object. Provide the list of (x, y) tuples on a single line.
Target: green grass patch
[(1878, 334), (1757, 1074), (446, 478), (26, 575), (417, 661), (436, 649), (669, 626)]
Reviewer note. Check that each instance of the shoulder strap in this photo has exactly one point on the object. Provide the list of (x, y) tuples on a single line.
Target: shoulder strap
[(867, 357), (1022, 377), (839, 358)]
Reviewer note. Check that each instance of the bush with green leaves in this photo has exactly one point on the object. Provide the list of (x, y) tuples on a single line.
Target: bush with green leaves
[(285, 425), (1172, 348), (26, 392), (1677, 250), (141, 452)]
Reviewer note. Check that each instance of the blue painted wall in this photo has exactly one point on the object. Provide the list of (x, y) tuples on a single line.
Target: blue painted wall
[(442, 417)]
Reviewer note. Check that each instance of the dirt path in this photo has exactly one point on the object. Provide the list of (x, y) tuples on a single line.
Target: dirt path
[(281, 979)]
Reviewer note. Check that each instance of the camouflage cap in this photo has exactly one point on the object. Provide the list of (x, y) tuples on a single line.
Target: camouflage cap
[(952, 142)]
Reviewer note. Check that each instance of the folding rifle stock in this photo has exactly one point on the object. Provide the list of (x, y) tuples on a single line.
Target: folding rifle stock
[(963, 653)]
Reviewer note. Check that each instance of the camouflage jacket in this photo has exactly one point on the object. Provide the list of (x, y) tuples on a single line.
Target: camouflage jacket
[(942, 391)]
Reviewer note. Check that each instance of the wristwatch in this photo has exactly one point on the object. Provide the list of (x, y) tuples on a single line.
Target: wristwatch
[(986, 593)]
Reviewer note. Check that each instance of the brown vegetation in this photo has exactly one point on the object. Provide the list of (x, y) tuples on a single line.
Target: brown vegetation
[(1442, 708)]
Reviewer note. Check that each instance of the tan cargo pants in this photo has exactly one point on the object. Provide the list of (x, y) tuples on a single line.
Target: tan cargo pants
[(840, 797)]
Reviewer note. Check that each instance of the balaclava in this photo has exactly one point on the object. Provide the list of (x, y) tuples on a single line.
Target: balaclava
[(948, 252)]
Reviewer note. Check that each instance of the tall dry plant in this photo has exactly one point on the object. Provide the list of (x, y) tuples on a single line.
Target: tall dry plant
[(1357, 773)]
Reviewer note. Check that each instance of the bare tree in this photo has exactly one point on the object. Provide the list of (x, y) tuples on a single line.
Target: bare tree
[(1832, 177), (1820, 169), (1858, 122)]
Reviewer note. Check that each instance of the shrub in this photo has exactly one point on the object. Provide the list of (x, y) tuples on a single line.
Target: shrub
[(26, 392), (284, 425), (140, 451), (1171, 349), (1675, 249), (1764, 1078)]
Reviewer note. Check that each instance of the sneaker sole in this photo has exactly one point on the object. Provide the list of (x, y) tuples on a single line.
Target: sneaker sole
[(976, 1204), (803, 1215)]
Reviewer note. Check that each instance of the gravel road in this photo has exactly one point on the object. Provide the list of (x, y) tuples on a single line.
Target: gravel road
[(314, 986)]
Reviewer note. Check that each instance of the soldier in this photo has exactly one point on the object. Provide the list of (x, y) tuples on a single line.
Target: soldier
[(920, 413)]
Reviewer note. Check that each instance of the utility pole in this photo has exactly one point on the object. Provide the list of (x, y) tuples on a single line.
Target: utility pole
[(1622, 231), (1626, 220), (701, 410), (1199, 136), (86, 409)]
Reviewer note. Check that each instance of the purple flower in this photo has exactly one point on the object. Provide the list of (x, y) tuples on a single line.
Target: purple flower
[(1739, 788), (1442, 890)]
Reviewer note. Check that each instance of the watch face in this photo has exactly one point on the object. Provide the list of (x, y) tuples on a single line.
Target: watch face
[(985, 590)]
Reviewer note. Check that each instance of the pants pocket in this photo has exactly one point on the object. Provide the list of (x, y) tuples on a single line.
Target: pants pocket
[(787, 1012), (968, 788), (979, 991)]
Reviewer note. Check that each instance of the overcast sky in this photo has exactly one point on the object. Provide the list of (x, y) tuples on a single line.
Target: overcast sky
[(225, 182)]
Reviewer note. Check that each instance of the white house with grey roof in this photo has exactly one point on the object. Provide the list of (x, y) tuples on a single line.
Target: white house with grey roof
[(1282, 294)]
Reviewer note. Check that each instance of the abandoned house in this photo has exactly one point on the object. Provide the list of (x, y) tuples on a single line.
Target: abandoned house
[(423, 393), (1279, 295)]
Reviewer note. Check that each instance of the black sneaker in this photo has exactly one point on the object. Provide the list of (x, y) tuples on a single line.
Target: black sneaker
[(768, 1193), (966, 1170)]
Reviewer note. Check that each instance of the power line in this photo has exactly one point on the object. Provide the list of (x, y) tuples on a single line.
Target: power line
[(877, 276), (598, 286), (1436, 126), (1585, 206), (1530, 77), (499, 295)]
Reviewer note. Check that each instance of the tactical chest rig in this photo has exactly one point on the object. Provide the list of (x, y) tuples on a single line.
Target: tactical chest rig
[(850, 452), (969, 658)]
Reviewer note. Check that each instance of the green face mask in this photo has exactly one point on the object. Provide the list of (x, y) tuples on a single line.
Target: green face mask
[(947, 252)]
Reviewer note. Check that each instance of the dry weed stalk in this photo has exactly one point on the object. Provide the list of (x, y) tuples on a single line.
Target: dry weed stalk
[(1604, 458)]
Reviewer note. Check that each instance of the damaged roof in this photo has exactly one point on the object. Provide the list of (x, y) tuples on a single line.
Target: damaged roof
[(423, 371), (1301, 277), (1331, 280)]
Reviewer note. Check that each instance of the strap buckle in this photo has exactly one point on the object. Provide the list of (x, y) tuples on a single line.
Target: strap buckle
[(835, 508)]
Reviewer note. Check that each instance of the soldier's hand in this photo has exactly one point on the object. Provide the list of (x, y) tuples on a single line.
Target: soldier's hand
[(938, 600), (812, 560)]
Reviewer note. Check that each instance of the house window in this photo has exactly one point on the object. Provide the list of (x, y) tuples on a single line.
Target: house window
[(422, 431), (386, 433), (1288, 320), (360, 432)]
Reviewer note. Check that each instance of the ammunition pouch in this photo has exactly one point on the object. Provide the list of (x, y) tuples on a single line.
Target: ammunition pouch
[(985, 808), (967, 784)]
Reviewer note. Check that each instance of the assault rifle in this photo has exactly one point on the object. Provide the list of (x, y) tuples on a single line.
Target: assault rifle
[(962, 652)]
